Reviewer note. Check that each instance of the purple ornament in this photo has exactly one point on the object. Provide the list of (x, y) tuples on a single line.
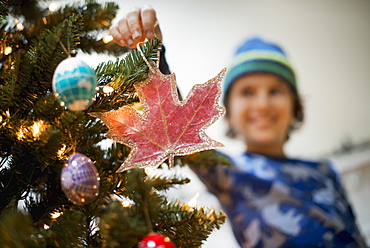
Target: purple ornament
[(80, 179)]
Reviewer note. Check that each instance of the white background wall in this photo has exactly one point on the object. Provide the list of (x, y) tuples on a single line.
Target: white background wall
[(328, 42)]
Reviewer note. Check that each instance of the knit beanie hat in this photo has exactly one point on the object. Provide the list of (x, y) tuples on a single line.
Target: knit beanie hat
[(257, 55)]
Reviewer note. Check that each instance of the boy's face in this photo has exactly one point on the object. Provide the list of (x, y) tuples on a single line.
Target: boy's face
[(260, 110)]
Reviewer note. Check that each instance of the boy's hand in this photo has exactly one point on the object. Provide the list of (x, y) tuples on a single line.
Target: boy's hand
[(138, 24)]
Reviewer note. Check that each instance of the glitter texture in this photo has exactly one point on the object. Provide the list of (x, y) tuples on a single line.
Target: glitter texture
[(167, 127)]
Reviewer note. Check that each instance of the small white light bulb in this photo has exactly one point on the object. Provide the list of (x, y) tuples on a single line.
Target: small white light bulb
[(53, 7), (8, 50), (107, 39)]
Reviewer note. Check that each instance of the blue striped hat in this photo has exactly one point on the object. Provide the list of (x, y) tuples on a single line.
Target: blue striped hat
[(257, 55)]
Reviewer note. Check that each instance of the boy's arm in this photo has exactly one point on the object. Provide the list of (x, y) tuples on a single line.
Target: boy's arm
[(211, 168)]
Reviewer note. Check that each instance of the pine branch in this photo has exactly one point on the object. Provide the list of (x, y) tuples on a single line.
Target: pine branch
[(205, 160), (163, 182), (60, 233), (125, 226), (4, 5), (33, 73), (16, 230), (122, 75), (189, 227), (121, 226), (49, 43), (30, 158), (96, 18), (27, 8), (89, 44), (132, 68)]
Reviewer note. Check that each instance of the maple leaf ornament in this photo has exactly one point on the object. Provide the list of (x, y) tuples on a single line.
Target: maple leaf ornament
[(167, 127)]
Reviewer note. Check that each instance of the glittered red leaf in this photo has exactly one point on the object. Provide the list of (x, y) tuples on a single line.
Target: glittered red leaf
[(167, 127)]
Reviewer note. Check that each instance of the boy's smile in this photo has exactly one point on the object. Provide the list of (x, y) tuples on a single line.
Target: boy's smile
[(261, 112)]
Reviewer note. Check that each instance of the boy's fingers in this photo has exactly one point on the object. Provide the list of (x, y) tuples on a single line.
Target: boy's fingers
[(125, 32), (136, 26), (117, 37), (148, 18), (134, 23)]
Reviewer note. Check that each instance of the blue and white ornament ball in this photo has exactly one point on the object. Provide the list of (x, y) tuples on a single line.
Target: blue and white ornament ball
[(74, 84), (80, 179)]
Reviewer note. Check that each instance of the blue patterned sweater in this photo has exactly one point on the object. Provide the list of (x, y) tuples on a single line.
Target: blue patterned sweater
[(283, 202)]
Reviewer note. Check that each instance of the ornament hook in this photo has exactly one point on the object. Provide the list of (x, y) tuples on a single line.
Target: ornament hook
[(145, 59)]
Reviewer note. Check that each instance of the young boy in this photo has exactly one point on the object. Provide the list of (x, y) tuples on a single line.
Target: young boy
[(270, 200)]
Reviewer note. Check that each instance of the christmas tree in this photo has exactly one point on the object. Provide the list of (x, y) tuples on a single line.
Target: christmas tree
[(39, 136)]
